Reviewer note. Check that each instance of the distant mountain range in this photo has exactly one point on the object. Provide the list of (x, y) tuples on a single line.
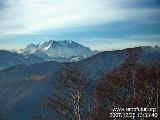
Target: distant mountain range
[(59, 51), (8, 59), (23, 86)]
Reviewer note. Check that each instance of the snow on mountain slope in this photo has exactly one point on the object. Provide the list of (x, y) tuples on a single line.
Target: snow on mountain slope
[(57, 49)]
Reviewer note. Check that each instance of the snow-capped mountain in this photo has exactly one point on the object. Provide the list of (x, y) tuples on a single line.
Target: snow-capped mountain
[(61, 51)]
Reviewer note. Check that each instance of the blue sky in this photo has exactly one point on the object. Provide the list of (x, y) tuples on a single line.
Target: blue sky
[(99, 24)]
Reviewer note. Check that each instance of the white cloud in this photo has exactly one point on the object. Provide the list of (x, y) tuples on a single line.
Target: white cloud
[(115, 43), (145, 37), (28, 16)]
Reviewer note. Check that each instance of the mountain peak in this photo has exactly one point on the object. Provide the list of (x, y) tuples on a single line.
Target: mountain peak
[(67, 41), (31, 47), (58, 49), (51, 41), (31, 44)]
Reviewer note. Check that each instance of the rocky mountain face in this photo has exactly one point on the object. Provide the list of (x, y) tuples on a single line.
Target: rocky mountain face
[(60, 51)]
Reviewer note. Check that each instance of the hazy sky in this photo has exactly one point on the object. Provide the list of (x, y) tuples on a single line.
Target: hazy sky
[(99, 24)]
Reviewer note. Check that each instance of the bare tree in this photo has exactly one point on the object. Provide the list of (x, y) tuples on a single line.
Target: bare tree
[(129, 67), (71, 99), (148, 85), (131, 85)]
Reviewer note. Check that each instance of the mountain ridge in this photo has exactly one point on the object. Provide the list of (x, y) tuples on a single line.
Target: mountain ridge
[(59, 51), (25, 85), (54, 49), (8, 59)]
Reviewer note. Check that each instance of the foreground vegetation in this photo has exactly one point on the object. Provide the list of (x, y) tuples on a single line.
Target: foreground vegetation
[(130, 85)]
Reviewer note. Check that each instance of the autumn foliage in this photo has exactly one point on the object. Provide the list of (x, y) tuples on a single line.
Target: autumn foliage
[(132, 84)]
